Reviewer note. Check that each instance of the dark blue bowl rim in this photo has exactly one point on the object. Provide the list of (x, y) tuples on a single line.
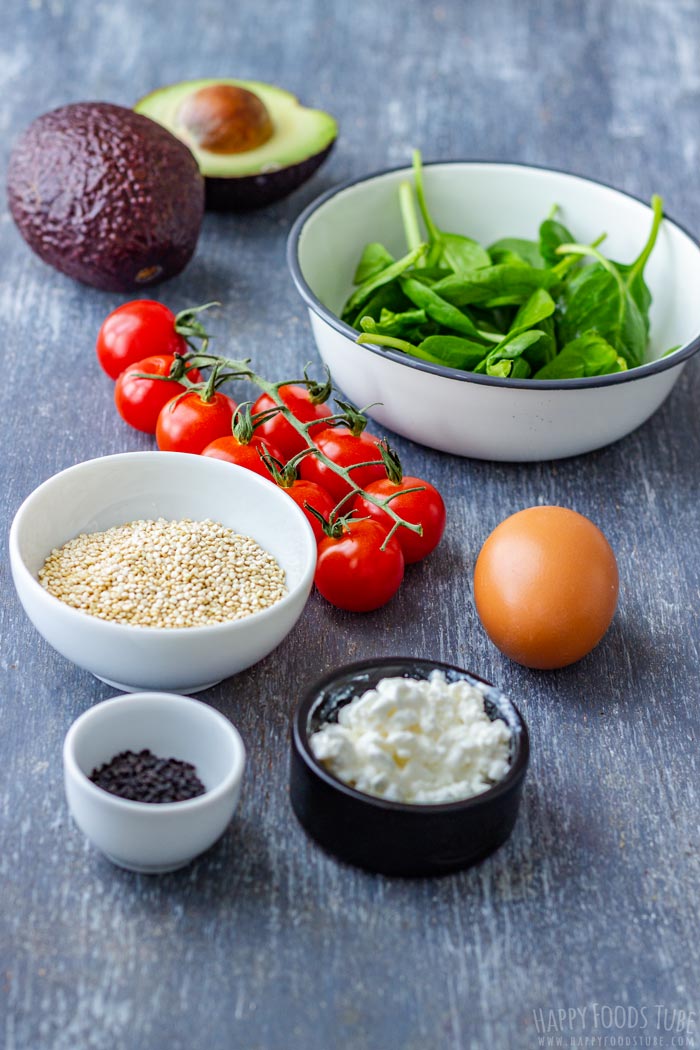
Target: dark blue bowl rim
[(678, 357), (300, 737)]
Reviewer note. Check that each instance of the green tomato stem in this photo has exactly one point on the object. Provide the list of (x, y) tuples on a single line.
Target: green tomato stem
[(240, 369)]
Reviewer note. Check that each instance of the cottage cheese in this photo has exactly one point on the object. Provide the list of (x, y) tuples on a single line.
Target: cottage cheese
[(410, 740)]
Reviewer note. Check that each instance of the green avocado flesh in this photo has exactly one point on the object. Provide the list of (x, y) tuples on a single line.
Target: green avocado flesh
[(300, 141)]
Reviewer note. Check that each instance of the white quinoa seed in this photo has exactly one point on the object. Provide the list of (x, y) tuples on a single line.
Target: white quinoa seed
[(164, 574)]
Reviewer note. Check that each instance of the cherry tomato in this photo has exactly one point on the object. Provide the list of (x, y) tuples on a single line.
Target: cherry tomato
[(277, 430), (303, 492), (134, 331), (189, 424), (139, 401), (424, 508), (352, 572), (345, 449), (230, 449)]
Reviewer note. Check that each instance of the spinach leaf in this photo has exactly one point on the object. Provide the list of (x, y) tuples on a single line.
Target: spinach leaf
[(373, 260), (501, 361), (401, 324), (633, 273), (545, 350), (362, 294), (506, 258), (589, 355), (552, 235), (539, 306), (517, 369), (431, 274), (461, 254), (514, 345), (597, 299), (500, 285), (636, 270), (638, 290), (388, 297), (438, 308), (377, 339), (536, 313), (438, 350), (405, 317), (497, 319), (610, 298), (451, 349), (508, 249)]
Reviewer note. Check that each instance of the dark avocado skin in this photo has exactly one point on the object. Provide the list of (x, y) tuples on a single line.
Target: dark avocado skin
[(245, 192), (106, 195)]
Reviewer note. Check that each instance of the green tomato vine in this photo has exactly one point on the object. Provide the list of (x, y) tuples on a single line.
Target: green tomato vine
[(225, 370)]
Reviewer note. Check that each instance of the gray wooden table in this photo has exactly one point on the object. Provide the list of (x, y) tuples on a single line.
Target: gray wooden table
[(265, 943)]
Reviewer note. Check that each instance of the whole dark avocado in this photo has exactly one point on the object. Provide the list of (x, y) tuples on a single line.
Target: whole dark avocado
[(106, 195), (254, 142)]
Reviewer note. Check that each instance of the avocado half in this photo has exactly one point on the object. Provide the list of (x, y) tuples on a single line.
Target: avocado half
[(280, 149)]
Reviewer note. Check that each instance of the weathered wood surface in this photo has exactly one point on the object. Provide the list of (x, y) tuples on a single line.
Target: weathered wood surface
[(265, 943)]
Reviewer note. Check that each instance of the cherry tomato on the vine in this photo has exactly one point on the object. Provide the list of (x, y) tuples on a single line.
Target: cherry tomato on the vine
[(279, 431), (352, 572), (345, 449), (424, 508), (231, 450), (303, 492), (134, 331), (189, 424), (139, 400)]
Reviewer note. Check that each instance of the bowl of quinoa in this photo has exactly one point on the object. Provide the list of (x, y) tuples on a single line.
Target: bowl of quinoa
[(158, 570)]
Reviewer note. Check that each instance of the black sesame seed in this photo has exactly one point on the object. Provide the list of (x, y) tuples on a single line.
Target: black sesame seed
[(144, 777)]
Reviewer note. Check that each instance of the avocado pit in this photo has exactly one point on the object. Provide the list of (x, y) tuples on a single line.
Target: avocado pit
[(225, 118), (254, 142)]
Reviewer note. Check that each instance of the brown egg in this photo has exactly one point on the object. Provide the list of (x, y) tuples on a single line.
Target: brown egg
[(545, 586)]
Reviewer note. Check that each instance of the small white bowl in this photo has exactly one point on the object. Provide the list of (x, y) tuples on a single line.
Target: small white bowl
[(146, 836), (113, 490), (476, 415)]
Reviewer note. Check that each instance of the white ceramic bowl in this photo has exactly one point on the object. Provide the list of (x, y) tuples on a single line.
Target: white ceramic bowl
[(143, 836), (113, 490), (475, 415)]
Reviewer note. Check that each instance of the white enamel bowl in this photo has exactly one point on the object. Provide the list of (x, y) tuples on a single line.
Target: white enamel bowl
[(113, 490), (142, 836), (480, 416)]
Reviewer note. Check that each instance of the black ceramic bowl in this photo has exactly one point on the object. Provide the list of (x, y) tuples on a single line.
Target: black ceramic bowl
[(398, 838)]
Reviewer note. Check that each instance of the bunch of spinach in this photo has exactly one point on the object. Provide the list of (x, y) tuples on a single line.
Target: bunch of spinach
[(549, 308)]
